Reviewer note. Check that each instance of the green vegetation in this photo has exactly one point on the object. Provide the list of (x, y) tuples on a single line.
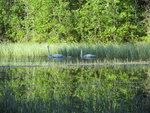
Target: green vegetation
[(75, 89), (74, 20), (120, 52), (100, 27)]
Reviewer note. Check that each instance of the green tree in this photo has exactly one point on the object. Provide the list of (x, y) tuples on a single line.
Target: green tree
[(73, 20)]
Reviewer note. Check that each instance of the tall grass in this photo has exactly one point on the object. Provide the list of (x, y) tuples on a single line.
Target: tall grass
[(16, 49), (107, 51)]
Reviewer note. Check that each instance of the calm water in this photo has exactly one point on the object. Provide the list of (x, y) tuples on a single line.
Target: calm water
[(41, 86)]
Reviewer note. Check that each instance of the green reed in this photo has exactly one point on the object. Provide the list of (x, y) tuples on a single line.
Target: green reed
[(128, 52)]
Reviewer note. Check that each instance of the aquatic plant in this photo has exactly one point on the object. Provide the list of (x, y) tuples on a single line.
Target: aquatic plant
[(122, 52)]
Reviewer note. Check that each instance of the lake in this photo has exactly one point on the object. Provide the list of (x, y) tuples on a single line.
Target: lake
[(73, 86)]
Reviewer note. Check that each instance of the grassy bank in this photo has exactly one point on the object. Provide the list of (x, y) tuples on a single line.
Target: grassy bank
[(128, 52)]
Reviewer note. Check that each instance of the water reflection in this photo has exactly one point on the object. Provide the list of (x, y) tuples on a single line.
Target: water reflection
[(42, 60), (65, 62), (78, 89)]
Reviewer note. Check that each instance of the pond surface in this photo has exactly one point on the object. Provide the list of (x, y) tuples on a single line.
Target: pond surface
[(77, 86)]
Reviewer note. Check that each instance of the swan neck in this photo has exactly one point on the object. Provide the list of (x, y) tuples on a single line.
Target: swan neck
[(81, 53), (48, 50)]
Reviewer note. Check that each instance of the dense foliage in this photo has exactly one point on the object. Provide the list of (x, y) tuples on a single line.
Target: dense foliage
[(73, 20)]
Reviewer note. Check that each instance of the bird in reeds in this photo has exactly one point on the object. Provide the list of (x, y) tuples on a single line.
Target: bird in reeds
[(86, 56), (55, 55)]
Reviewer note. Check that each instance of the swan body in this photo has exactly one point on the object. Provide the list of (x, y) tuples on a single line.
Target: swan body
[(55, 55), (89, 56), (86, 55), (68, 56)]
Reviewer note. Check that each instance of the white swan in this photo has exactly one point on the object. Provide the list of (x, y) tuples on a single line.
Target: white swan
[(55, 55), (86, 55), (68, 56)]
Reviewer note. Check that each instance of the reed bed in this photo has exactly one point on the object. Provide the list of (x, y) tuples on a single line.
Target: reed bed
[(131, 52)]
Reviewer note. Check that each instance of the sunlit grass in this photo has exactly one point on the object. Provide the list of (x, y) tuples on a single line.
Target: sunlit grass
[(122, 52), (16, 49)]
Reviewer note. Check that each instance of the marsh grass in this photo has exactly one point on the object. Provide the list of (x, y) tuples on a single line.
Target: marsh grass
[(122, 52)]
